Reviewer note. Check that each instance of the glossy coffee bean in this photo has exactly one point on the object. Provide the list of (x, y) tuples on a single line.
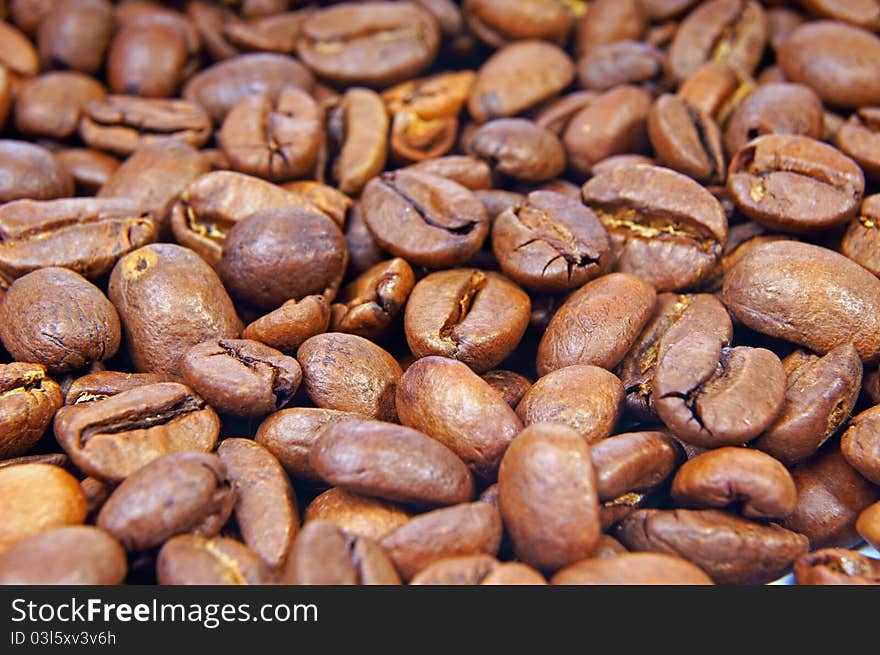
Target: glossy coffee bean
[(519, 148), (511, 385), (686, 139), (860, 444), (357, 124), (194, 560), (147, 58), (632, 569), (837, 566), (633, 461), (287, 327), (75, 34), (355, 514), (28, 400), (103, 384)]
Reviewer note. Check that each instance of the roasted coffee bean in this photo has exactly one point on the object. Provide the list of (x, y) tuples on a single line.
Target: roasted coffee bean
[(470, 172), (859, 138), (733, 31), (269, 33), (374, 44), (556, 114), (729, 549), (329, 201), (28, 400), (17, 54), (868, 524), (633, 461), (834, 59), (368, 305), (75, 34), (175, 494), (103, 384), (462, 570), (112, 438), (686, 139), (74, 555), (50, 105), (265, 506), (324, 555), (121, 124), (241, 377), (716, 88), (391, 462), (465, 529), (498, 23), (836, 566), (55, 459), (512, 386), (583, 397), (90, 169), (169, 300), (664, 227), (610, 21), (29, 171), (287, 327), (831, 495), (625, 62), (290, 434), (147, 58), (795, 183), (753, 482), (477, 317), (446, 400), (428, 220), (633, 569), (57, 318), (821, 394), (821, 299), (276, 139), (357, 515), (597, 324), (777, 108), (520, 149), (710, 395), (612, 124), (358, 127), (221, 86), (548, 497), (860, 444), (517, 77), (550, 243), (194, 560), (35, 498), (513, 573)]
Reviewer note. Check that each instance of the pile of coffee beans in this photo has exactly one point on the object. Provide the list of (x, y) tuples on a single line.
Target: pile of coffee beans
[(435, 292)]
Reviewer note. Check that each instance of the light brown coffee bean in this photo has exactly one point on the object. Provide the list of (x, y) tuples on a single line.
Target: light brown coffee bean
[(632, 569), (28, 400), (289, 326), (193, 560), (357, 515)]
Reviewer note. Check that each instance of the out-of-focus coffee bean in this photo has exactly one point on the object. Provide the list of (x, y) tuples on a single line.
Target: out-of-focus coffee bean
[(836, 566), (29, 171), (75, 34), (194, 560), (632, 569), (511, 385), (868, 524), (50, 105)]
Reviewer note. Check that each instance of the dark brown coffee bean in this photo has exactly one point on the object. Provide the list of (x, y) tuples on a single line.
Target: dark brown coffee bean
[(147, 58), (469, 172), (103, 384), (461, 570), (597, 324), (831, 495), (175, 494), (733, 31), (426, 219), (548, 498), (686, 140), (477, 317), (50, 105), (777, 108), (625, 62), (520, 149), (368, 305), (89, 168), (276, 139), (859, 138), (710, 395), (860, 444), (75, 555), (193, 560), (756, 484), (465, 529), (729, 549), (287, 327), (821, 299), (55, 317), (836, 566), (795, 183), (550, 243), (822, 392), (664, 227), (169, 300), (675, 316), (391, 462), (220, 87), (834, 59), (556, 114), (610, 21), (633, 569), (357, 515), (517, 77), (265, 506), (446, 400), (633, 461), (121, 124), (375, 44), (324, 555), (112, 438), (75, 34), (241, 377), (868, 524), (35, 498), (512, 386), (29, 171), (28, 400)]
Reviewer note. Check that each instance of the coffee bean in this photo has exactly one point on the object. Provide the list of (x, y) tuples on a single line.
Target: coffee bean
[(103, 384), (519, 148), (859, 138), (461, 570), (194, 560), (17, 54), (686, 140), (50, 105), (836, 566), (633, 569), (717, 88), (28, 400), (470, 172), (556, 114), (868, 524), (75, 34), (29, 171), (287, 327), (162, 44), (498, 22), (357, 515), (511, 385), (89, 168), (860, 444), (625, 62), (633, 461), (369, 304), (611, 21)]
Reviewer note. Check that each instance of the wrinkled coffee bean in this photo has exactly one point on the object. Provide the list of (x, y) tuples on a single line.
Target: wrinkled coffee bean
[(860, 444), (369, 304), (836, 566), (28, 400), (289, 326)]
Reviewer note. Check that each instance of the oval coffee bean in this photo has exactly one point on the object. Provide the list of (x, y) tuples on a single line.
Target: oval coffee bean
[(513, 573), (632, 569), (287, 327), (368, 305), (50, 105), (860, 444), (358, 127), (357, 515), (868, 524), (179, 493), (462, 570), (512, 386), (686, 139), (633, 461), (548, 498), (193, 560), (836, 566), (858, 138), (477, 317), (861, 239), (28, 400), (519, 148), (28, 171), (446, 400), (103, 384), (392, 462)]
